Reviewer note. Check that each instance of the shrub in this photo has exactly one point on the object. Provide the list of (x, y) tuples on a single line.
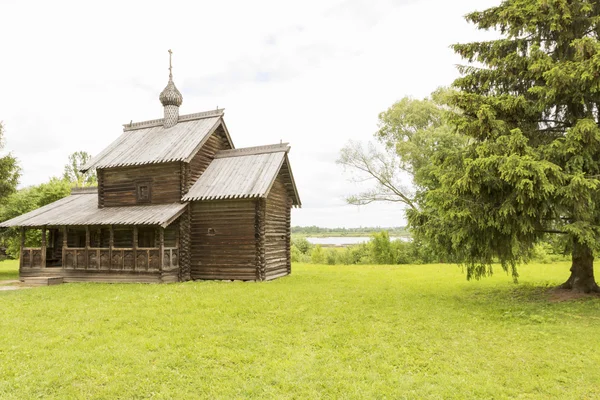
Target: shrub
[(295, 253), (404, 252), (331, 256), (303, 245), (298, 256), (381, 248), (542, 252), (317, 255)]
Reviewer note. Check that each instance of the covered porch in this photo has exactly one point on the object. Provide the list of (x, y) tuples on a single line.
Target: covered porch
[(75, 239), (142, 253)]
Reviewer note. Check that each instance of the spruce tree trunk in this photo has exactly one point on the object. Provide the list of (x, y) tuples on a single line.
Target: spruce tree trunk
[(582, 270)]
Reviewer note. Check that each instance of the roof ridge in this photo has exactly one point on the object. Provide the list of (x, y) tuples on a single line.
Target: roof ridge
[(85, 190), (249, 151), (132, 126)]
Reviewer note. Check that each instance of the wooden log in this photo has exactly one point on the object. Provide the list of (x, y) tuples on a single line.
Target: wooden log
[(183, 253), (21, 262), (100, 178), (161, 246), (87, 246), (119, 185), (43, 249), (288, 235), (65, 245), (260, 240), (111, 245), (135, 244)]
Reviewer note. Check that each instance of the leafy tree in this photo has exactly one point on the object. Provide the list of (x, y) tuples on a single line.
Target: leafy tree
[(73, 170), (10, 171), (26, 200), (412, 133), (530, 108)]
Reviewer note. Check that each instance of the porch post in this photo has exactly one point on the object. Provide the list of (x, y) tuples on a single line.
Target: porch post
[(111, 243), (64, 246), (87, 246), (43, 257), (135, 245), (22, 248), (177, 244), (161, 247)]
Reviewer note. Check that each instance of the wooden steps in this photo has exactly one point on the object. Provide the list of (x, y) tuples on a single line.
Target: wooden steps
[(42, 280)]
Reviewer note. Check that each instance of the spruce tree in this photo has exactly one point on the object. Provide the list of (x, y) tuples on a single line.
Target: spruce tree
[(530, 108)]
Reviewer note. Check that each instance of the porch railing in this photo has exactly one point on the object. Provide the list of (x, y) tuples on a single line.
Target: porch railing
[(31, 257), (141, 259)]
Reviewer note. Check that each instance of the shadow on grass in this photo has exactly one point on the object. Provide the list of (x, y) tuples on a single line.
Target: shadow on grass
[(8, 275), (527, 293)]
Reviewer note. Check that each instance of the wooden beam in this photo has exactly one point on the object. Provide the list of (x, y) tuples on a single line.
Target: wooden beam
[(161, 247), (65, 245), (43, 255), (87, 246), (22, 247), (250, 151), (111, 244), (135, 245)]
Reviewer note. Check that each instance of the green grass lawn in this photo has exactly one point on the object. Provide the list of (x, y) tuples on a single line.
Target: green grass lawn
[(9, 270), (324, 332)]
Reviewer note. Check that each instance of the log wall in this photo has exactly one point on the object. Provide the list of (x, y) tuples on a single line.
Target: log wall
[(277, 231), (100, 177), (223, 242), (118, 186), (184, 244)]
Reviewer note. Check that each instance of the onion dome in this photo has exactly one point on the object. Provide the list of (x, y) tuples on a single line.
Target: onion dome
[(171, 99), (170, 96)]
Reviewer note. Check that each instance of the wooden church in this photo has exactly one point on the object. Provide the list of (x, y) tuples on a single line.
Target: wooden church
[(175, 201)]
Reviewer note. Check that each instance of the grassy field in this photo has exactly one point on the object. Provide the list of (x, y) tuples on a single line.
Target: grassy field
[(9, 269), (324, 332)]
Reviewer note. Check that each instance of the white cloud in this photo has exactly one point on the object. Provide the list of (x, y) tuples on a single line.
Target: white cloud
[(313, 73)]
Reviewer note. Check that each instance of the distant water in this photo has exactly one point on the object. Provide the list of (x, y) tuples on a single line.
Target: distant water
[(346, 240)]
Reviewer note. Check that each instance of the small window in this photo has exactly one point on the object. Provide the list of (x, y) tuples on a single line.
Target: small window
[(211, 232), (143, 192)]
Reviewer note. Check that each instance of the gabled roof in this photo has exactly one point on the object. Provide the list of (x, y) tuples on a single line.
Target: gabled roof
[(244, 173), (82, 209), (150, 142)]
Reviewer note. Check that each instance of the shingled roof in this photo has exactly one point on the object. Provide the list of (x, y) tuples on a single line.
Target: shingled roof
[(82, 209), (150, 142), (244, 173)]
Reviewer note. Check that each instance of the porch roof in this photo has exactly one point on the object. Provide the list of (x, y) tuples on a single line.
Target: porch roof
[(82, 209)]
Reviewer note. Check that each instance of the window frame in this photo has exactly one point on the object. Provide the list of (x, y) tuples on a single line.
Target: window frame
[(140, 184)]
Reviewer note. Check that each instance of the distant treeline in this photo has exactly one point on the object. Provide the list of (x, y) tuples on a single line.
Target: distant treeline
[(362, 231), (380, 249)]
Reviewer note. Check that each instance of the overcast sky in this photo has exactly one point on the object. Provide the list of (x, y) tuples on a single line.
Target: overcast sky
[(312, 73)]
